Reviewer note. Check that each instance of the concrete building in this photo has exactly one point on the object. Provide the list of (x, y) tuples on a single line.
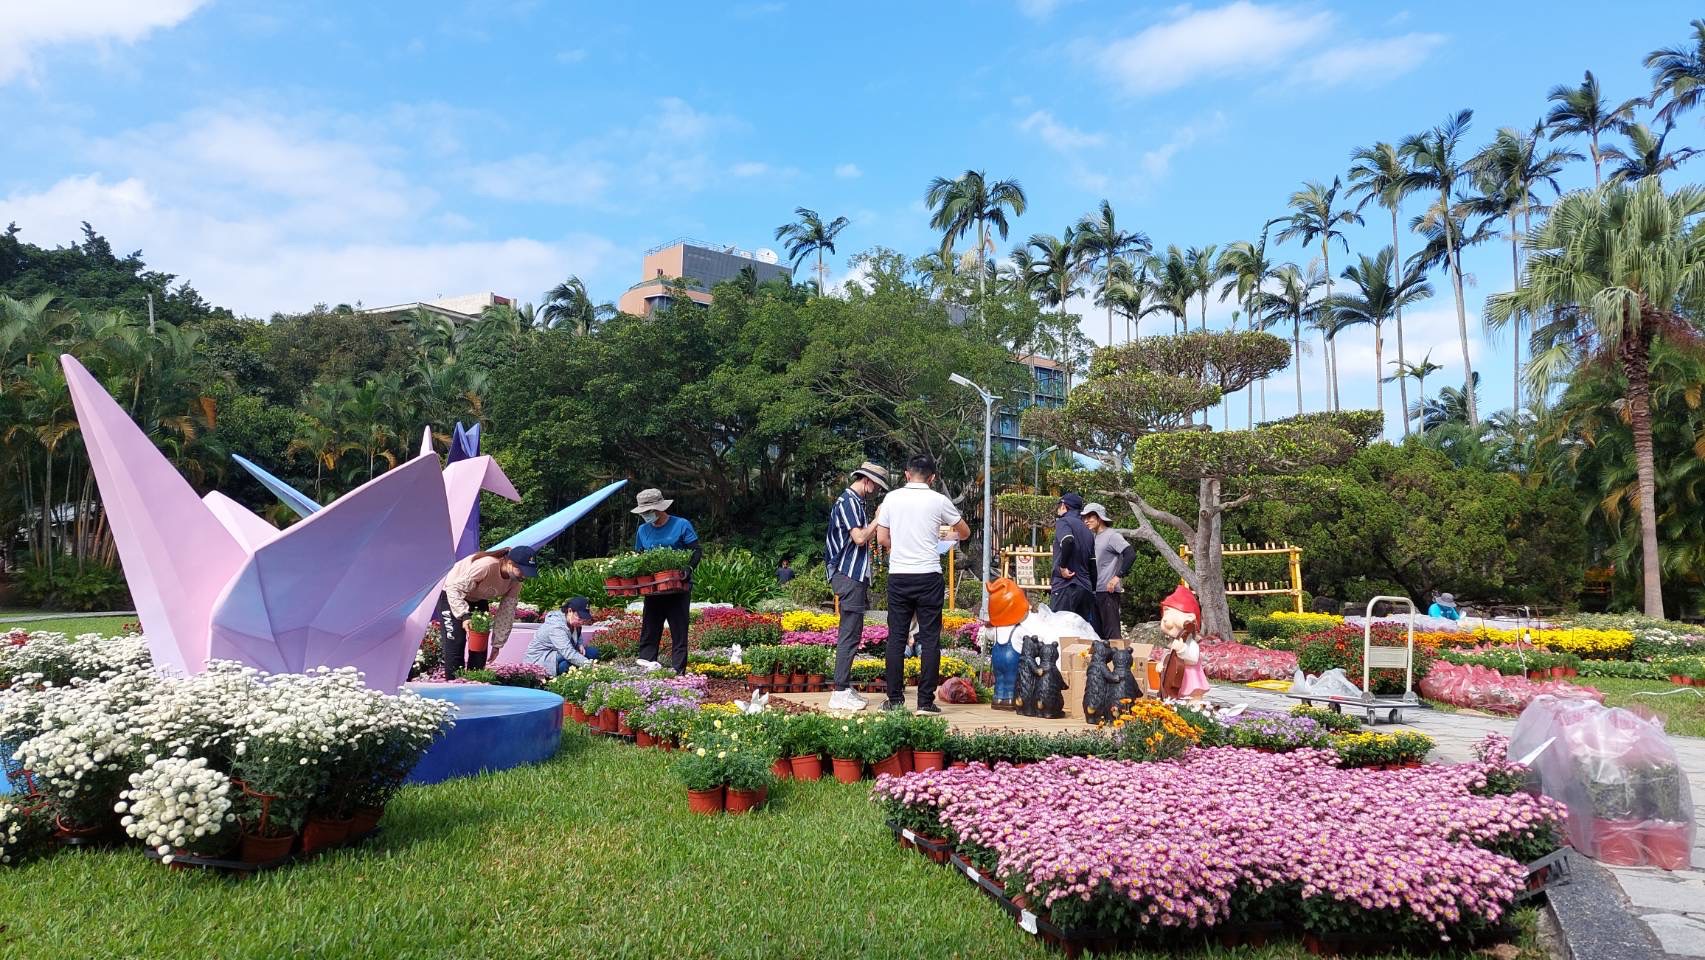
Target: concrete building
[(460, 309), (701, 266)]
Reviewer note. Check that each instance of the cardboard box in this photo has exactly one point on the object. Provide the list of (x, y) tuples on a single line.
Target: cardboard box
[(1074, 666)]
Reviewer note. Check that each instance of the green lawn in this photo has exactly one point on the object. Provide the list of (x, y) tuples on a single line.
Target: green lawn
[(1683, 713), (590, 855), (111, 626)]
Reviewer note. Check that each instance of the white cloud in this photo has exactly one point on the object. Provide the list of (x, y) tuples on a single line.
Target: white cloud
[(1040, 9), (1238, 37), (749, 168), (1157, 163), (1367, 62), (848, 171), (571, 56), (1058, 135), (266, 213), (570, 180), (28, 26)]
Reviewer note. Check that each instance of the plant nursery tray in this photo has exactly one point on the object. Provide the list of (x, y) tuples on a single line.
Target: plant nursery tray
[(244, 868)]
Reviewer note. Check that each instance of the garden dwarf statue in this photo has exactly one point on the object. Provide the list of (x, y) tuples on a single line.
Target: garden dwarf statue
[(1180, 620), (1051, 686), (1024, 686), (1098, 686), (1126, 691)]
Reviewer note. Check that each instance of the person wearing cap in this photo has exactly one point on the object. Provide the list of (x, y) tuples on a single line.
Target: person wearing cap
[(1444, 605), (1114, 556), (556, 645), (1073, 578), (475, 583), (658, 530), (909, 526), (847, 557)]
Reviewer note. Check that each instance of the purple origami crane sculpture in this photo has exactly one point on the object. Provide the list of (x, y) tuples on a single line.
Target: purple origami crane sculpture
[(350, 585)]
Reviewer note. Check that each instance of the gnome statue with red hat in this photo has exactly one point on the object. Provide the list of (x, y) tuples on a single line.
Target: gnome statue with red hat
[(1180, 619)]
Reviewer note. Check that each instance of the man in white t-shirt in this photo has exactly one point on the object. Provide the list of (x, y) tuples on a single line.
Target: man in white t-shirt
[(909, 525)]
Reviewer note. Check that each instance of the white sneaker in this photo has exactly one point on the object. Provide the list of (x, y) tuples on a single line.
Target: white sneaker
[(847, 700)]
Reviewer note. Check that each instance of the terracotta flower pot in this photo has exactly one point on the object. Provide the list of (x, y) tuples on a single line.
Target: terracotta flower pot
[(757, 681), (643, 739), (1666, 844), (69, 832), (959, 763), (889, 765), (907, 759), (478, 640), (813, 681), (796, 681), (782, 768), (740, 801), (807, 767), (1558, 673), (707, 801), (607, 721), (1617, 842), (319, 833), (848, 771), (923, 760), (258, 849), (667, 745), (622, 723), (364, 821), (1678, 680)]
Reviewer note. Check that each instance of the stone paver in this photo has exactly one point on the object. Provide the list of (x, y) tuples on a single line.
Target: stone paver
[(1679, 936), (1653, 890)]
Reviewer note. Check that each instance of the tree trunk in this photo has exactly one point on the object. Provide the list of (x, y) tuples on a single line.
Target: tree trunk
[(1332, 364), (1326, 367), (1453, 264), (1296, 351), (1378, 365), (1515, 322), (1210, 563), (1598, 181), (1635, 353), (47, 516), (1402, 361)]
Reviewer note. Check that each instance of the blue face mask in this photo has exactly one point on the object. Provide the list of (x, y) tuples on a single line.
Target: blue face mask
[(650, 516)]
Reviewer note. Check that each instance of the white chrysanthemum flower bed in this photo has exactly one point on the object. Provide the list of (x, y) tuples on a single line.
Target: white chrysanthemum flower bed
[(178, 804)]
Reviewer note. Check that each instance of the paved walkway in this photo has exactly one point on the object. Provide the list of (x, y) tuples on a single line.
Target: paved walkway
[(1671, 904)]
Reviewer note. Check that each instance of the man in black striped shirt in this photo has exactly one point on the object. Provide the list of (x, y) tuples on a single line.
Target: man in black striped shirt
[(849, 562)]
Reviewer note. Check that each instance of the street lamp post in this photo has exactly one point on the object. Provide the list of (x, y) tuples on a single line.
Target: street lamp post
[(1037, 460), (988, 481)]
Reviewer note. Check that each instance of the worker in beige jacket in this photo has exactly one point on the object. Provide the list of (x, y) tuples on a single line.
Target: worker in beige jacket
[(490, 581)]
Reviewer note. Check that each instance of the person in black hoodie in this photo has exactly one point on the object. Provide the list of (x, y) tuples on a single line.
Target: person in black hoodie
[(1073, 578)]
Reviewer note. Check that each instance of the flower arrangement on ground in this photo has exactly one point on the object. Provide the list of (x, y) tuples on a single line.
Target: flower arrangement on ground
[(1146, 730), (1411, 857), (805, 620)]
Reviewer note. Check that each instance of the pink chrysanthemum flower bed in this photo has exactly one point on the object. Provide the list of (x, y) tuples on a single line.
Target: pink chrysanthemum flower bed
[(1229, 836)]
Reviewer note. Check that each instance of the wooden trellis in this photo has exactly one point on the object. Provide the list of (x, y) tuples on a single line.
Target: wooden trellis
[(1261, 588)]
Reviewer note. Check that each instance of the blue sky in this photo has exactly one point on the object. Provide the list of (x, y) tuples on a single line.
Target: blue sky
[(282, 153)]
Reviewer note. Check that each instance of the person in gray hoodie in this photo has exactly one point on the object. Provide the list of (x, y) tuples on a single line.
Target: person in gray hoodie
[(556, 644)]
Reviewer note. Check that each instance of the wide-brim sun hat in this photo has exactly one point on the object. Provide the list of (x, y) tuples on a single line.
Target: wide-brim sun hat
[(873, 472), (649, 500), (1446, 600), (1099, 511)]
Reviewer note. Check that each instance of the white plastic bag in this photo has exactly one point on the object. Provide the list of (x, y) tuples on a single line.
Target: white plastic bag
[(1332, 683)]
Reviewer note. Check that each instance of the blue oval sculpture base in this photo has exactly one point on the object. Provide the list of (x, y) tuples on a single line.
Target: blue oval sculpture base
[(496, 728)]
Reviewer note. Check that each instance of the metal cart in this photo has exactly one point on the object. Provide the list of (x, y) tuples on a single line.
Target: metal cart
[(1378, 658)]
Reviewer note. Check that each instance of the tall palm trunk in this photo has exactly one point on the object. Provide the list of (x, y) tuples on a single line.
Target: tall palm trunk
[(1326, 364), (1598, 180), (1454, 264), (1296, 351), (822, 279), (1515, 323), (1635, 353), (1402, 361), (1332, 365), (1378, 365)]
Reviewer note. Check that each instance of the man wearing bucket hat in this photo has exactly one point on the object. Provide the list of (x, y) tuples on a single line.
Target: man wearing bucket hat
[(1114, 557), (658, 530), (847, 556), (1444, 605)]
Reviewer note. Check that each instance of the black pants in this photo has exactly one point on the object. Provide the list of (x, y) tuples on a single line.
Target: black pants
[(671, 607), (455, 638), (921, 594), (1072, 598), (854, 596), (1107, 605)]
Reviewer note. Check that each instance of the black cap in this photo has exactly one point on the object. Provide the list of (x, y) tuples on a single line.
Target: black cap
[(523, 557), (1073, 501), (580, 605)]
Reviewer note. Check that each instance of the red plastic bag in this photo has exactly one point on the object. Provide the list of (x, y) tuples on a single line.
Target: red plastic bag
[(957, 690)]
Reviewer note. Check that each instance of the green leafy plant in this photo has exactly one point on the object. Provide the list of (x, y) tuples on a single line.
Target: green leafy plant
[(735, 576), (748, 770), (804, 734), (479, 621), (701, 769), (926, 733), (1334, 722), (478, 676), (624, 567), (667, 558)]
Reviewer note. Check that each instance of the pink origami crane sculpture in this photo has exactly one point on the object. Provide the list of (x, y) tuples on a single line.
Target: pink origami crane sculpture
[(351, 585)]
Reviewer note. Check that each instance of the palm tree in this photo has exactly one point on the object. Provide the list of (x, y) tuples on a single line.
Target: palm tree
[(1448, 409), (1377, 300), (1581, 111), (1678, 74), (1126, 289), (569, 305), (1506, 172), (1432, 158), (1419, 372), (1247, 267), (1619, 265), (1173, 286), (1293, 301), (971, 201), (1100, 238), (1204, 271), (1052, 269), (1645, 156), (1314, 214), (808, 235), (1379, 173)]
